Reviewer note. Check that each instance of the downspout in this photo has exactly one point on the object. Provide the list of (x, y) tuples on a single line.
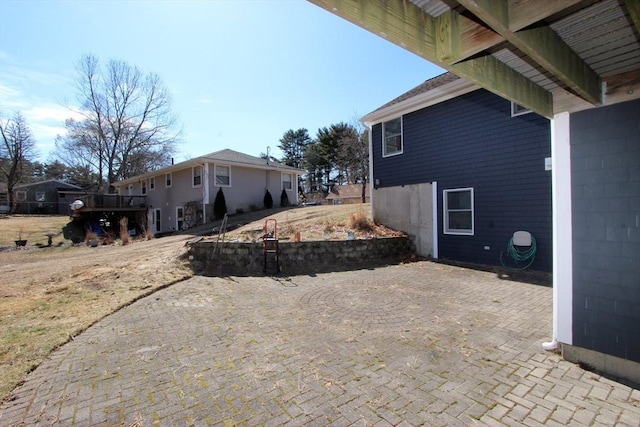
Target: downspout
[(371, 181), (562, 232), (205, 191), (434, 205)]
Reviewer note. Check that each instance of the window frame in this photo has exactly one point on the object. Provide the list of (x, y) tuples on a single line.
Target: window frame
[(193, 176), (41, 196), (143, 187), (179, 218), (215, 175), (385, 152), (152, 183), (445, 212), (518, 110), (283, 181), (21, 196), (168, 180)]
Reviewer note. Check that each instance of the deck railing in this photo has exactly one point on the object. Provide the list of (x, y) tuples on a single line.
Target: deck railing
[(115, 201)]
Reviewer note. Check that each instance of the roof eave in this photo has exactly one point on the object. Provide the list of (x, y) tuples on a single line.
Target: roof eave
[(426, 99)]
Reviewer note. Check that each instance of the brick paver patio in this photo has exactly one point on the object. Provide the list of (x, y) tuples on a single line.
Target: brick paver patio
[(415, 344)]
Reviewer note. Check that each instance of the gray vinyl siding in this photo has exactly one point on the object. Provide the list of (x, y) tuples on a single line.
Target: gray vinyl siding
[(247, 188), (472, 141), (167, 199), (605, 185)]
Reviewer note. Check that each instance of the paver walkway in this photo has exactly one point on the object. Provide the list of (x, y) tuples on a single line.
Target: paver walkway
[(415, 344)]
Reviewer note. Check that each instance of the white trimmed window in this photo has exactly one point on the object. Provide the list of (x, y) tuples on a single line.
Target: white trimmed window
[(518, 110), (168, 178), (223, 176), (21, 195), (40, 196), (152, 183), (392, 137), (287, 181), (196, 176), (458, 211), (179, 218), (130, 190), (143, 184)]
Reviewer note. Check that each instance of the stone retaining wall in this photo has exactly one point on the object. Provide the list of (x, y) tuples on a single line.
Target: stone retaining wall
[(299, 257)]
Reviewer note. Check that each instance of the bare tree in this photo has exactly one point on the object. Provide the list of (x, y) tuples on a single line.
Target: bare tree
[(18, 147), (128, 126)]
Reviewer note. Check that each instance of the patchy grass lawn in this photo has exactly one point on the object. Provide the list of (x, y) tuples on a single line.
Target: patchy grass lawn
[(31, 228)]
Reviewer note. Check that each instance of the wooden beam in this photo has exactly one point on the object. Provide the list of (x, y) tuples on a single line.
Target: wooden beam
[(523, 13), (544, 46), (406, 25), (398, 21), (633, 7), (499, 78), (458, 37)]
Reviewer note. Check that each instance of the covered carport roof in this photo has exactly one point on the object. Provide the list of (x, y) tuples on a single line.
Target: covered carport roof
[(550, 56)]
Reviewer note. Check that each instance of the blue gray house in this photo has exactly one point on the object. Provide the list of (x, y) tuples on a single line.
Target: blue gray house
[(461, 170), (577, 63)]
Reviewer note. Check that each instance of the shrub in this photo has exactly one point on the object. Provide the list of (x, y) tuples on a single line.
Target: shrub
[(360, 222), (219, 205), (268, 200), (284, 199)]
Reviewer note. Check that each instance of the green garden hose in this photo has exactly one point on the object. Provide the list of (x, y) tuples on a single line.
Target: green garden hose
[(520, 255)]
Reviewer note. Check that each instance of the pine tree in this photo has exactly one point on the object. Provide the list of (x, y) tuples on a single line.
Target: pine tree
[(268, 200), (284, 199), (219, 205)]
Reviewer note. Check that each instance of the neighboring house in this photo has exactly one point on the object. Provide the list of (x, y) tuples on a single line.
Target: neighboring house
[(182, 195), (460, 170), (43, 197), (348, 194), (4, 198)]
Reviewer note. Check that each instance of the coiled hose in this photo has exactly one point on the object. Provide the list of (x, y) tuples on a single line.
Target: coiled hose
[(521, 255)]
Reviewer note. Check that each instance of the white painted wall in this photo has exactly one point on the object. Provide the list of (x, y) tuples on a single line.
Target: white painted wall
[(408, 208)]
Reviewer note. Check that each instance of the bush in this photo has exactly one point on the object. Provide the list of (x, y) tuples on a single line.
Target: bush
[(360, 222), (268, 200), (219, 205), (284, 199)]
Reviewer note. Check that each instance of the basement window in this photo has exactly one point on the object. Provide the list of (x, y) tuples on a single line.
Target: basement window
[(458, 211), (392, 137)]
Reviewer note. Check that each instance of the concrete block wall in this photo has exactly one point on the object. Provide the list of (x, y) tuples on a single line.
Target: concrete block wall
[(299, 257)]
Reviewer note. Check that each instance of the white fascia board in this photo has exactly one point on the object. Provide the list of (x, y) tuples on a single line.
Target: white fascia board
[(426, 99)]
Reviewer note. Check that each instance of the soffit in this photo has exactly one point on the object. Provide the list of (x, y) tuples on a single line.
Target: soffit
[(549, 56)]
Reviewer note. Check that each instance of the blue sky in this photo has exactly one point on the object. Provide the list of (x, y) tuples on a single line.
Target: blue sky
[(241, 73)]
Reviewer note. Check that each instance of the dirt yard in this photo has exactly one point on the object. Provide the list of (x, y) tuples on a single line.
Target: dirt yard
[(48, 295)]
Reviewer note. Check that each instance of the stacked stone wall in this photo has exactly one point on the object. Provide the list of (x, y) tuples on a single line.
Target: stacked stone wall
[(238, 258)]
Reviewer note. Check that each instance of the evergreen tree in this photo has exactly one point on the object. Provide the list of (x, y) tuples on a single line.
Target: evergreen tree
[(293, 145), (219, 205), (284, 199), (268, 200)]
